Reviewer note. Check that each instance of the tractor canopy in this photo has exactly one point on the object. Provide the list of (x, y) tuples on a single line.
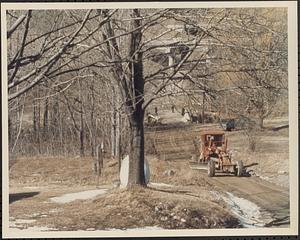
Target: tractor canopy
[(216, 137)]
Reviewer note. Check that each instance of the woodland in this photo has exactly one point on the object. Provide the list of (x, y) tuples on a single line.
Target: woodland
[(82, 78)]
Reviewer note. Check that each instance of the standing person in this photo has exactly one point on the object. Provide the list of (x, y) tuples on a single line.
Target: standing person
[(182, 111), (173, 108), (156, 111)]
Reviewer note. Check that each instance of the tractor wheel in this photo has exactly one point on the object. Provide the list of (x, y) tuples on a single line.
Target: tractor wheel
[(239, 170), (211, 168)]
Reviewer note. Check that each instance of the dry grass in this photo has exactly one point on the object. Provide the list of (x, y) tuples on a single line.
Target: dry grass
[(183, 175), (40, 171), (270, 159), (187, 205)]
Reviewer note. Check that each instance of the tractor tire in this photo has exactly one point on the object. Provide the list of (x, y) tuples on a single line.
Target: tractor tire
[(211, 168), (239, 168)]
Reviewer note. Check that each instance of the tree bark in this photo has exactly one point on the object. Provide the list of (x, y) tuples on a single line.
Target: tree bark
[(135, 104), (261, 122), (93, 123), (39, 124), (10, 132), (113, 124), (34, 123), (81, 133), (203, 107), (136, 154), (46, 114)]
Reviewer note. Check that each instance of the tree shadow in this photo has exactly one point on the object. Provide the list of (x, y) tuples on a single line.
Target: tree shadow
[(280, 127), (167, 190), (246, 173), (279, 221), (228, 175), (13, 197), (250, 165)]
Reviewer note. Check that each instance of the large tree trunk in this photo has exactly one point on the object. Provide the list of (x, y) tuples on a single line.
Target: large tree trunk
[(261, 122), (136, 154), (131, 86), (136, 118)]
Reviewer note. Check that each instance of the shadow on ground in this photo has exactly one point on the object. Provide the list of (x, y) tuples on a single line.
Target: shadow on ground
[(18, 196)]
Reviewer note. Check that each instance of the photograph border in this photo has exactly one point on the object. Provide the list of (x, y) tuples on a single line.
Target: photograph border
[(293, 121)]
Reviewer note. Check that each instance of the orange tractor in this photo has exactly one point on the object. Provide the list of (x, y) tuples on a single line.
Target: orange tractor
[(214, 154)]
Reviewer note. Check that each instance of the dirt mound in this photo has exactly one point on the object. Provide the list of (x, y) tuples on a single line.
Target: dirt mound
[(140, 208)]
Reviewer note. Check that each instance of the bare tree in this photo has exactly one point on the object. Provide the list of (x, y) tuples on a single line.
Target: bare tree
[(37, 55), (93, 68)]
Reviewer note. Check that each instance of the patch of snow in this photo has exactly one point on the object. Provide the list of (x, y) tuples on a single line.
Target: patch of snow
[(17, 226), (90, 229), (247, 212), (31, 229), (216, 195), (69, 197), (186, 117), (21, 221), (55, 210), (32, 187), (147, 228), (280, 180), (160, 184)]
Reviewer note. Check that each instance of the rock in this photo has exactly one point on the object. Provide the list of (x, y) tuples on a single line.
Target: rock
[(281, 172), (182, 220), (124, 172), (169, 173), (116, 184)]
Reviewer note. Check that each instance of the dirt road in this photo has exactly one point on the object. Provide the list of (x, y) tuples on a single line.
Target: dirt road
[(269, 197), (172, 142)]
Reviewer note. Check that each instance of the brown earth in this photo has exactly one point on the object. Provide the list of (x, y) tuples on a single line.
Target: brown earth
[(186, 203)]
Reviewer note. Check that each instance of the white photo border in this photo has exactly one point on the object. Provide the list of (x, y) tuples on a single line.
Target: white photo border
[(293, 121)]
